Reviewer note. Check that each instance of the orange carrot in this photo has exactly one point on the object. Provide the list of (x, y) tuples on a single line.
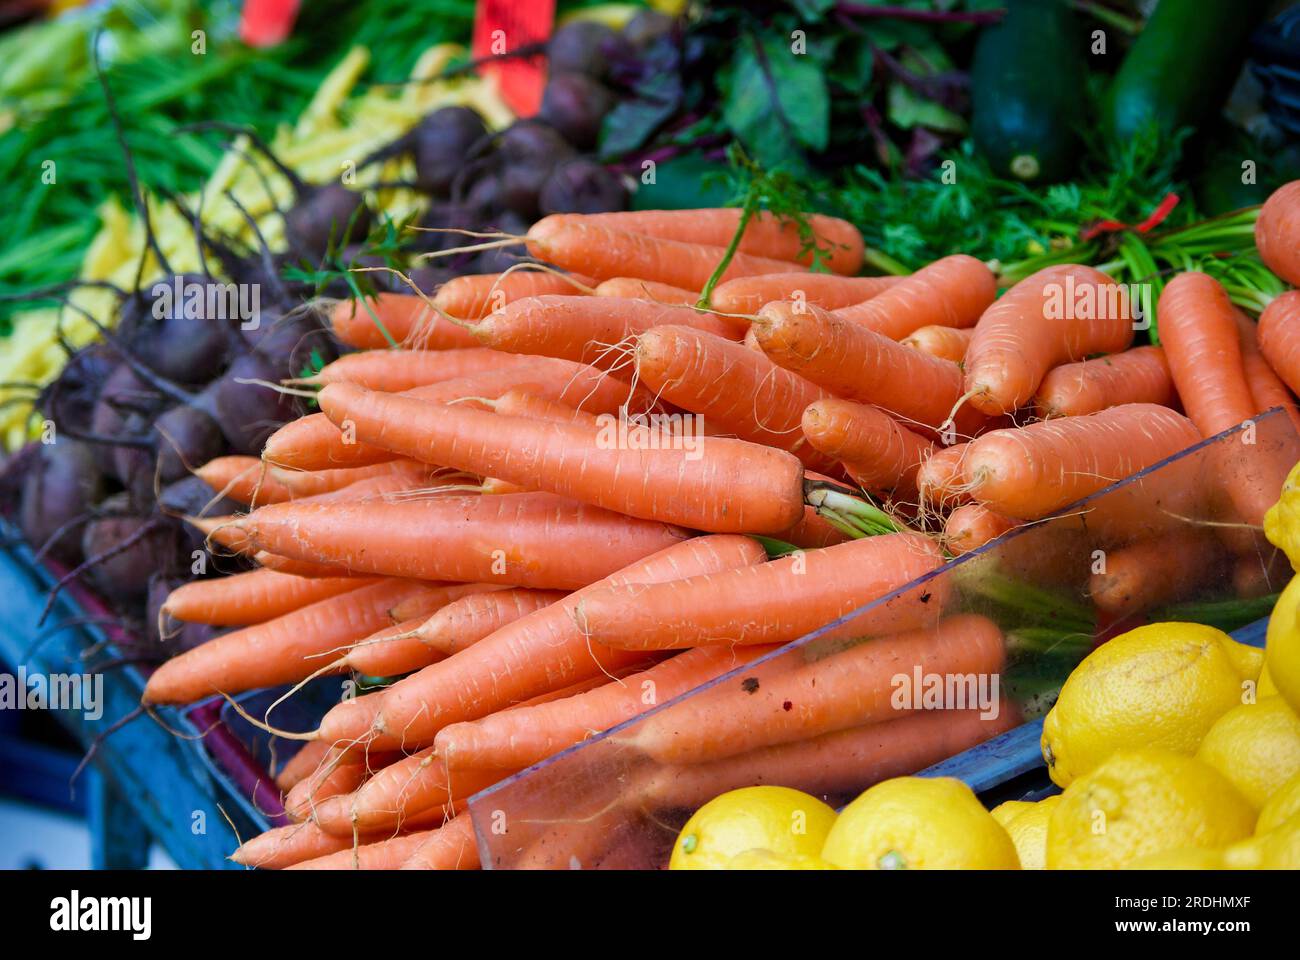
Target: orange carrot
[(377, 855), (1140, 375), (246, 598), (474, 296), (1198, 329), (971, 526), (1277, 233), (299, 568), (946, 343), (704, 483), (408, 319), (584, 329), (837, 766), (452, 847), (812, 531), (630, 288), (532, 655), (854, 362), (951, 292), (1058, 315), (330, 779), (1258, 576), (242, 479), (397, 649), (311, 483), (574, 242), (522, 402), (301, 764), (396, 370), (1029, 472), (527, 735), (469, 619), (1267, 390), (1159, 570), (748, 295), (283, 650), (879, 454), (523, 539), (1277, 339), (766, 235), (282, 847), (939, 480), (772, 602), (844, 689), (313, 443), (737, 391)]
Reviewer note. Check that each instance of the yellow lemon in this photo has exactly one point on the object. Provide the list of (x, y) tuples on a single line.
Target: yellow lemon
[(1281, 807), (1282, 651), (778, 819), (1279, 849), (1184, 858), (1162, 685), (761, 859), (1004, 813), (1140, 802), (1282, 521), (919, 823), (1256, 746), (1028, 831)]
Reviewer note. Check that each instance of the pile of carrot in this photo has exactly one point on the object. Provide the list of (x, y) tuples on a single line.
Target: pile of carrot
[(564, 490)]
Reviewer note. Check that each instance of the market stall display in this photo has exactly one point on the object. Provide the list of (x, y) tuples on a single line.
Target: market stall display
[(494, 506)]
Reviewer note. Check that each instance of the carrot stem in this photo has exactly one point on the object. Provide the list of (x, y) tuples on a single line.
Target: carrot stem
[(356, 293), (746, 214)]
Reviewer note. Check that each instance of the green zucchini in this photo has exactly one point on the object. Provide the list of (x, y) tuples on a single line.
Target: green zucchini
[(1027, 83), (1181, 66)]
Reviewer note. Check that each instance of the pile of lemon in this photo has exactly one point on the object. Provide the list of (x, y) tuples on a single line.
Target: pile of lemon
[(1175, 746)]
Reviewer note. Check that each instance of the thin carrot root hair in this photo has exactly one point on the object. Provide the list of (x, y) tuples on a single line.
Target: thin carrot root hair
[(266, 727), (500, 240), (280, 387), (536, 266), (340, 662), (417, 291), (426, 493)]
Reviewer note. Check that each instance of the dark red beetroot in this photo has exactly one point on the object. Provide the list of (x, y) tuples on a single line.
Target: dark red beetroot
[(440, 144), (126, 551), (582, 186), (60, 483), (575, 105)]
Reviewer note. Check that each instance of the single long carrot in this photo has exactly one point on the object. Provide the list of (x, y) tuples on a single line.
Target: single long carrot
[(1277, 232), (856, 363), (946, 343), (314, 443), (1031, 471), (283, 650), (251, 597), (397, 649), (1278, 337), (736, 391), (972, 525), (526, 735), (844, 689), (780, 238), (950, 292), (1058, 315), (377, 855), (1198, 329), (451, 847), (282, 847), (584, 329), (879, 453), (468, 620), (1139, 375), (837, 766), (1267, 389), (773, 602), (407, 319), (242, 479), (575, 243), (704, 483), (311, 483), (535, 654), (748, 295), (524, 539), (1138, 577), (396, 370), (630, 288), (473, 296)]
